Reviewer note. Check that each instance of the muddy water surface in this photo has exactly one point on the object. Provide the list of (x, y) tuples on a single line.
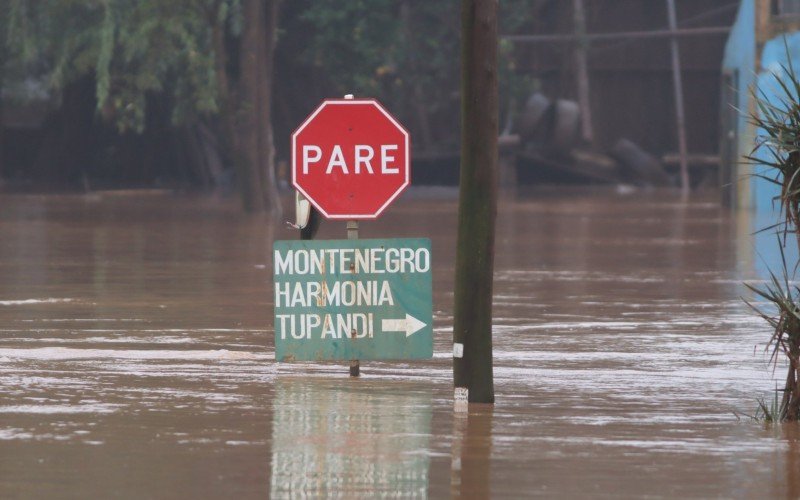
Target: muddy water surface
[(136, 358)]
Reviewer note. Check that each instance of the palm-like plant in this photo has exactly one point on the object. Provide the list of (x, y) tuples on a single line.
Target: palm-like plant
[(779, 143), (785, 339), (777, 151)]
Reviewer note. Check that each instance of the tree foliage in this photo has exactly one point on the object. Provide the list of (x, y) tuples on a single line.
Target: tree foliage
[(131, 48), (776, 155), (404, 52), (181, 59)]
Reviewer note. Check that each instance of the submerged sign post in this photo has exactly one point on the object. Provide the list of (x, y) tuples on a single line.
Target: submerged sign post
[(352, 299)]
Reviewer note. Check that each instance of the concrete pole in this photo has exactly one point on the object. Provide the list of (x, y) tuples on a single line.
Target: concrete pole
[(678, 86), (582, 71), (477, 204)]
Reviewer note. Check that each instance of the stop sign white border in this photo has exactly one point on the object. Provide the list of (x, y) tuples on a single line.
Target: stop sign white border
[(351, 102)]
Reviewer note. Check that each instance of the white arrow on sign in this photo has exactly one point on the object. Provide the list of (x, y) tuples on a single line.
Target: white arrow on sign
[(410, 325)]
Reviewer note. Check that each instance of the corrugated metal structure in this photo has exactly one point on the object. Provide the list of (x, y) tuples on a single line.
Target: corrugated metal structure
[(630, 71)]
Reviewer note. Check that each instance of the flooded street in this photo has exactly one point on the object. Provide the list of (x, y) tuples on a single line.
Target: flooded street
[(137, 359)]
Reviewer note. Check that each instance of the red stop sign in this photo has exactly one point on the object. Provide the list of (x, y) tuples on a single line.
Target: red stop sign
[(350, 158)]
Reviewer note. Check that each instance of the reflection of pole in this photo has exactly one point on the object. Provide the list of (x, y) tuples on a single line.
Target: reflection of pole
[(792, 461), (352, 234), (477, 203), (456, 452), (582, 72), (676, 79), (469, 453)]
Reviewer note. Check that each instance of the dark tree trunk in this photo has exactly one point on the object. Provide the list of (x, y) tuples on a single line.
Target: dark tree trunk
[(3, 35), (477, 206), (418, 102), (65, 148), (247, 123), (2, 150), (231, 144), (245, 111), (209, 144), (226, 97), (269, 185), (195, 156)]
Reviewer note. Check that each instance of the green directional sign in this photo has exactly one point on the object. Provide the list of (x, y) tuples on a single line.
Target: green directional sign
[(353, 299)]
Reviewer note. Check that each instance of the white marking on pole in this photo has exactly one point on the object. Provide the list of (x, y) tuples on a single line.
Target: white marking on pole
[(460, 399), (410, 325), (458, 350)]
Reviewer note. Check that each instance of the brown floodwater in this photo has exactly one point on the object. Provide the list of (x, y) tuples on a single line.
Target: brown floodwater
[(137, 361)]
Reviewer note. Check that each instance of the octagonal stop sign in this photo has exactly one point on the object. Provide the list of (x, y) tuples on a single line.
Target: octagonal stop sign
[(350, 158)]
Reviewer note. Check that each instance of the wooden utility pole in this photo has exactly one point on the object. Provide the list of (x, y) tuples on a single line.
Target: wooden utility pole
[(582, 71), (477, 208), (678, 86)]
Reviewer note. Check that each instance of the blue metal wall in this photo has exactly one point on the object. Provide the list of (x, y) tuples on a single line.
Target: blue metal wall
[(758, 196), (740, 57)]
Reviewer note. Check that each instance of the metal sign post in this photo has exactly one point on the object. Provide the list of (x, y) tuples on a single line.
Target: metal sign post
[(352, 234)]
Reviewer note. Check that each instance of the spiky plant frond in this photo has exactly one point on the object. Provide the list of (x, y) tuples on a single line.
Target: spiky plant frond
[(783, 316)]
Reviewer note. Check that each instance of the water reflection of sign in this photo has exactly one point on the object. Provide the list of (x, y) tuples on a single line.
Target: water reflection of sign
[(333, 441), (353, 299)]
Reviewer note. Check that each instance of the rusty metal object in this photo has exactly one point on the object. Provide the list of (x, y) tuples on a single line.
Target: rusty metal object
[(639, 166), (533, 119), (566, 119)]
